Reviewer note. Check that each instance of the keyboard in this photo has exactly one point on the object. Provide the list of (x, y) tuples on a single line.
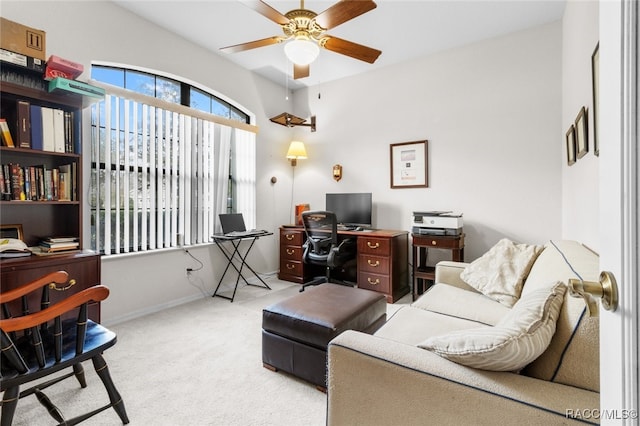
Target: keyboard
[(246, 233)]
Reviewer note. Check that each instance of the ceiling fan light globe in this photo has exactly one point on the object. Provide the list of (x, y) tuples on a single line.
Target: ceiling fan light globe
[(301, 51)]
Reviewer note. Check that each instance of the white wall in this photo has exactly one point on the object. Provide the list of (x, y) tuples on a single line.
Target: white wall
[(491, 112), (97, 30), (580, 201)]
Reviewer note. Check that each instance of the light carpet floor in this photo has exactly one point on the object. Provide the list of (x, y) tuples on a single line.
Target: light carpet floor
[(196, 364)]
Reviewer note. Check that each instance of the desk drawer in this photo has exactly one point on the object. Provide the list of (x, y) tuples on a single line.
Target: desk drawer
[(291, 237), (289, 267), (291, 252), (374, 264), (375, 246), (435, 242), (375, 282), (83, 269)]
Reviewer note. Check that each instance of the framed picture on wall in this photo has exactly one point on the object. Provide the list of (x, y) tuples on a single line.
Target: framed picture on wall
[(571, 145), (595, 75), (409, 164), (582, 138)]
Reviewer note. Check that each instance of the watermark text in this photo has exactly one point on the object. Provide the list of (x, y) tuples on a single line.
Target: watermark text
[(598, 414)]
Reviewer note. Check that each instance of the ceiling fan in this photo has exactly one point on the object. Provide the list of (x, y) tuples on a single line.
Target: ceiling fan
[(304, 31)]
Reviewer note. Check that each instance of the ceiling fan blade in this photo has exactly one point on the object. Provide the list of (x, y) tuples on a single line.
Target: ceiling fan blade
[(349, 48), (252, 44), (343, 11), (300, 71), (267, 11)]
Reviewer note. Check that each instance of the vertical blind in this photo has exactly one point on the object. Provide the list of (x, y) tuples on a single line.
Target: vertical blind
[(160, 174)]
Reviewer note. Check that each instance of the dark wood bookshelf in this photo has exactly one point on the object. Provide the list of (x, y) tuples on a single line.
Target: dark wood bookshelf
[(40, 219)]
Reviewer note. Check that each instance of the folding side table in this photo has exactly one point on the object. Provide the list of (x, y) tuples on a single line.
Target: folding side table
[(238, 260)]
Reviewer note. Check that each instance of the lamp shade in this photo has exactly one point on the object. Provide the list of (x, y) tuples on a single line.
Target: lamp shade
[(301, 51), (296, 151)]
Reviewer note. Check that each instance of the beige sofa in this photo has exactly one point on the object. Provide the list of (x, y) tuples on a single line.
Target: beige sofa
[(387, 379)]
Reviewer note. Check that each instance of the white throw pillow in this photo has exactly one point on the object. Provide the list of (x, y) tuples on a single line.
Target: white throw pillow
[(517, 340), (500, 272)]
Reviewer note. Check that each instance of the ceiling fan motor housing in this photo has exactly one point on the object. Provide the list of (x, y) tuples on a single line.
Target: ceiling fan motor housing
[(302, 24)]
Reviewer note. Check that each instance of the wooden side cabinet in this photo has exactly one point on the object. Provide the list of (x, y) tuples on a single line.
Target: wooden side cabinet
[(291, 264), (83, 269), (420, 250)]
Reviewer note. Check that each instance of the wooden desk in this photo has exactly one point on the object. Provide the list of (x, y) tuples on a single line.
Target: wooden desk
[(382, 259), (420, 246), (83, 268)]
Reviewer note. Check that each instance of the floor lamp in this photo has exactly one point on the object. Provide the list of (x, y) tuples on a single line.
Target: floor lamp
[(295, 152)]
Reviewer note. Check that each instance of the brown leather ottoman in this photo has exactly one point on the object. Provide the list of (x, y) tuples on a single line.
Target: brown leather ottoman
[(297, 330)]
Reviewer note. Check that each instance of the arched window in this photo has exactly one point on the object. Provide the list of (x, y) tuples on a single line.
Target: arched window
[(164, 162)]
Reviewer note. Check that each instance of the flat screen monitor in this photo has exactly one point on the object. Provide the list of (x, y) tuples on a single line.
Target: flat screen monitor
[(351, 209)]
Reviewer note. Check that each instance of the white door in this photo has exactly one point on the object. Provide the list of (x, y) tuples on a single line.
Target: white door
[(619, 208)]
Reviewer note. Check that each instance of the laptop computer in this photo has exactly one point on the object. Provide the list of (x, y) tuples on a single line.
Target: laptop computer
[(233, 225), (232, 222)]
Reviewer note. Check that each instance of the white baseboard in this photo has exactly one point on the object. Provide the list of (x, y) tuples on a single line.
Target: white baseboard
[(152, 309)]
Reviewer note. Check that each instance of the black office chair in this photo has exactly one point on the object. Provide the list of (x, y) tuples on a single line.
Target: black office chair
[(322, 248)]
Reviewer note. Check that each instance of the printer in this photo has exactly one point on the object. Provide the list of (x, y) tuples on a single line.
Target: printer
[(437, 223)]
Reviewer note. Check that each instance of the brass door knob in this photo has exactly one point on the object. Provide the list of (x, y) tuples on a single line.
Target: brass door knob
[(606, 289)]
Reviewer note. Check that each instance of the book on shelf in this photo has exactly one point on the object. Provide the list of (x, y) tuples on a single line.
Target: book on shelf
[(5, 133), (48, 131), (61, 239), (50, 247), (24, 124), (61, 67), (58, 130), (53, 130), (42, 251), (17, 182), (69, 133), (60, 84), (6, 179), (65, 187), (36, 127), (39, 183)]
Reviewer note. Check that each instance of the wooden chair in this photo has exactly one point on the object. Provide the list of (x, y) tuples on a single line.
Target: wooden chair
[(44, 342)]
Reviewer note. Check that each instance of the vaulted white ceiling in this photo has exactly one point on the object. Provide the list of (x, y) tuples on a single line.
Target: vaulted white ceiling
[(402, 30)]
